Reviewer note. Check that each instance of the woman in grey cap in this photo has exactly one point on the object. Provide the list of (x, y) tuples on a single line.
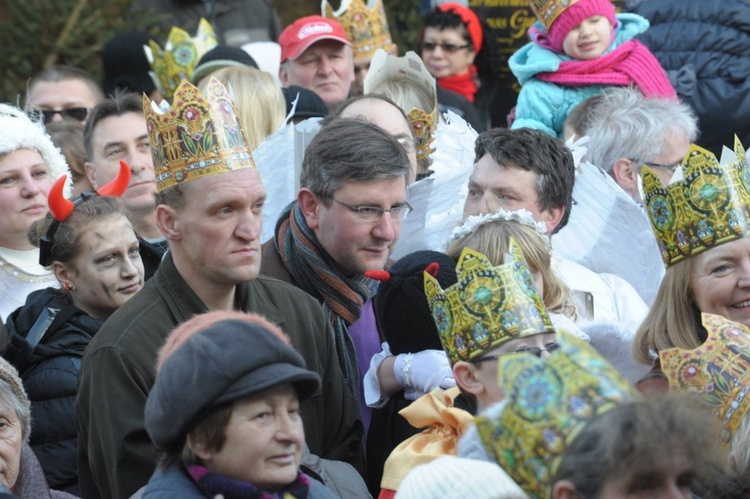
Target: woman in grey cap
[(225, 411)]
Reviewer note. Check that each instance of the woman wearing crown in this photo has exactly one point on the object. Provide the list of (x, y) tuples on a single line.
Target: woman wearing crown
[(92, 250), (701, 221)]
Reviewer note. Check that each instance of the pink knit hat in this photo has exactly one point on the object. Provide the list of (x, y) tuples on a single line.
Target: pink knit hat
[(558, 24)]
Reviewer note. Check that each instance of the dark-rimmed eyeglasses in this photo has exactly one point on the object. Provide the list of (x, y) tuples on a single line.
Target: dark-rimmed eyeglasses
[(375, 213), (76, 113), (657, 166), (449, 48), (536, 351)]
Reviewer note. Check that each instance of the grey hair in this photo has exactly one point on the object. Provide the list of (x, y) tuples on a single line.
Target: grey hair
[(119, 104), (351, 149), (628, 125), (11, 402)]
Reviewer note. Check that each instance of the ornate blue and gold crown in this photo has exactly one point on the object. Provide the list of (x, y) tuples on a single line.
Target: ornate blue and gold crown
[(706, 204), (549, 10), (488, 306), (198, 136), (549, 401), (181, 53), (718, 370), (365, 24)]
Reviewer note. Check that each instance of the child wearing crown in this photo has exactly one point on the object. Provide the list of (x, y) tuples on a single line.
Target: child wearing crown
[(578, 47)]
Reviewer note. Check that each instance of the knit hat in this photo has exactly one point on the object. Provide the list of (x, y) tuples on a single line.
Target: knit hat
[(9, 374), (20, 132), (560, 16), (452, 477), (221, 56), (298, 36), (401, 308), (223, 363), (470, 20), (309, 105), (125, 63)]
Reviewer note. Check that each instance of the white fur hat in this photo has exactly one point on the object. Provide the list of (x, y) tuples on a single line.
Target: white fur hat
[(20, 132)]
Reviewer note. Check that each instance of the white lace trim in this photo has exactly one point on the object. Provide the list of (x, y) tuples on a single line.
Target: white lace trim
[(473, 222)]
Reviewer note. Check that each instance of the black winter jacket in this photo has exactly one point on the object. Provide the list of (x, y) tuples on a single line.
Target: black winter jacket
[(705, 49), (49, 371)]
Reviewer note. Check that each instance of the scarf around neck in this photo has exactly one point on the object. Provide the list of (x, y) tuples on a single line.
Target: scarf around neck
[(316, 273), (463, 84), (629, 64), (212, 484)]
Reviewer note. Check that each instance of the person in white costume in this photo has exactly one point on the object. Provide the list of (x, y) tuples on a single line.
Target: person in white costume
[(29, 165)]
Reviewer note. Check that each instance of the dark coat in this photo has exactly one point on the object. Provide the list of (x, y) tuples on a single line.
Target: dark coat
[(705, 49), (151, 255), (115, 456), (49, 371)]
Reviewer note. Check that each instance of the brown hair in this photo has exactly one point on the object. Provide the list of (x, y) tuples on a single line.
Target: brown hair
[(67, 134), (674, 320)]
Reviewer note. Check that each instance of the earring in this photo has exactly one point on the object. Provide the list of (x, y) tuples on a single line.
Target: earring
[(68, 286)]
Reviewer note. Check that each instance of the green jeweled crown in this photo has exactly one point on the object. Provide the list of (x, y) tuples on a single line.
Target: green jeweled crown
[(198, 136), (549, 401), (177, 60), (488, 306), (706, 204)]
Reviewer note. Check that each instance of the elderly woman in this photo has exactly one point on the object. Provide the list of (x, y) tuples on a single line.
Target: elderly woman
[(705, 248), (225, 411), (19, 469), (92, 250), (29, 164)]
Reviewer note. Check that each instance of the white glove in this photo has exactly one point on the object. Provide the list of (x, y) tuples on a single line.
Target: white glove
[(420, 373)]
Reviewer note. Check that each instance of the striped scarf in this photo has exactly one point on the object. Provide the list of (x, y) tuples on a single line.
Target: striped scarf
[(316, 273)]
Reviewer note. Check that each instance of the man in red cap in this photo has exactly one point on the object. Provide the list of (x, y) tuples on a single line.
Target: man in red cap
[(316, 54)]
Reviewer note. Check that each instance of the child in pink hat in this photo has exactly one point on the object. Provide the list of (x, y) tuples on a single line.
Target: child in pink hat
[(577, 48)]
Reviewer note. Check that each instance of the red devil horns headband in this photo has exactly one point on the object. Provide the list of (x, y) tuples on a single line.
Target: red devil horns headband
[(61, 208)]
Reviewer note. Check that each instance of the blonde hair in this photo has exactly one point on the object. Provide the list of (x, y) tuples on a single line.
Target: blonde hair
[(260, 102), (493, 240), (674, 320)]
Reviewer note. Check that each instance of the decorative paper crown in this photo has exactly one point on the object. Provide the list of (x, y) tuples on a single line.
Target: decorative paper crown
[(719, 370), (488, 306), (408, 70), (177, 61), (197, 136), (549, 10), (705, 204), (365, 24), (549, 401)]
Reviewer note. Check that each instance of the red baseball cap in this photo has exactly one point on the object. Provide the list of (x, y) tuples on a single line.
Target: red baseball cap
[(298, 36)]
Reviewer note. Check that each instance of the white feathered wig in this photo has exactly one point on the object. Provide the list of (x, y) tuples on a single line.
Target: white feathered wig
[(18, 131)]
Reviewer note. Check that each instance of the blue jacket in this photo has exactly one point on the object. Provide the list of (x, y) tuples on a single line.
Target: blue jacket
[(544, 105), (174, 483), (705, 49)]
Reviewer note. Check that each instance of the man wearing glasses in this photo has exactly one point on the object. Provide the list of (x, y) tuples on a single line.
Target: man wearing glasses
[(63, 92), (629, 131), (346, 221)]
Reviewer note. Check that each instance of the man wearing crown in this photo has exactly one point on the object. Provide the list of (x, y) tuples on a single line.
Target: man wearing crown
[(209, 206), (317, 55), (366, 28)]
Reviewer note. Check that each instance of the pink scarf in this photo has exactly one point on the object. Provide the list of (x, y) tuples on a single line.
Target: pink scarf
[(630, 63), (463, 84)]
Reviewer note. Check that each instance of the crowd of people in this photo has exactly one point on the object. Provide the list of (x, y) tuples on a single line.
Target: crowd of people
[(325, 273)]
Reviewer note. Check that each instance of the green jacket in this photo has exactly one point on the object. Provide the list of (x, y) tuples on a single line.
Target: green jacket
[(115, 454)]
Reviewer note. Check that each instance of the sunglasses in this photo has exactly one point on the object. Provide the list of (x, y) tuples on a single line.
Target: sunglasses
[(76, 113), (449, 48)]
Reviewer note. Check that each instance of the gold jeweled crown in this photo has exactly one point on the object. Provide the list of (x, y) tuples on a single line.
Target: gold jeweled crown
[(365, 24), (181, 53), (704, 205), (198, 136), (408, 70), (719, 370), (488, 306), (549, 401), (549, 10)]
